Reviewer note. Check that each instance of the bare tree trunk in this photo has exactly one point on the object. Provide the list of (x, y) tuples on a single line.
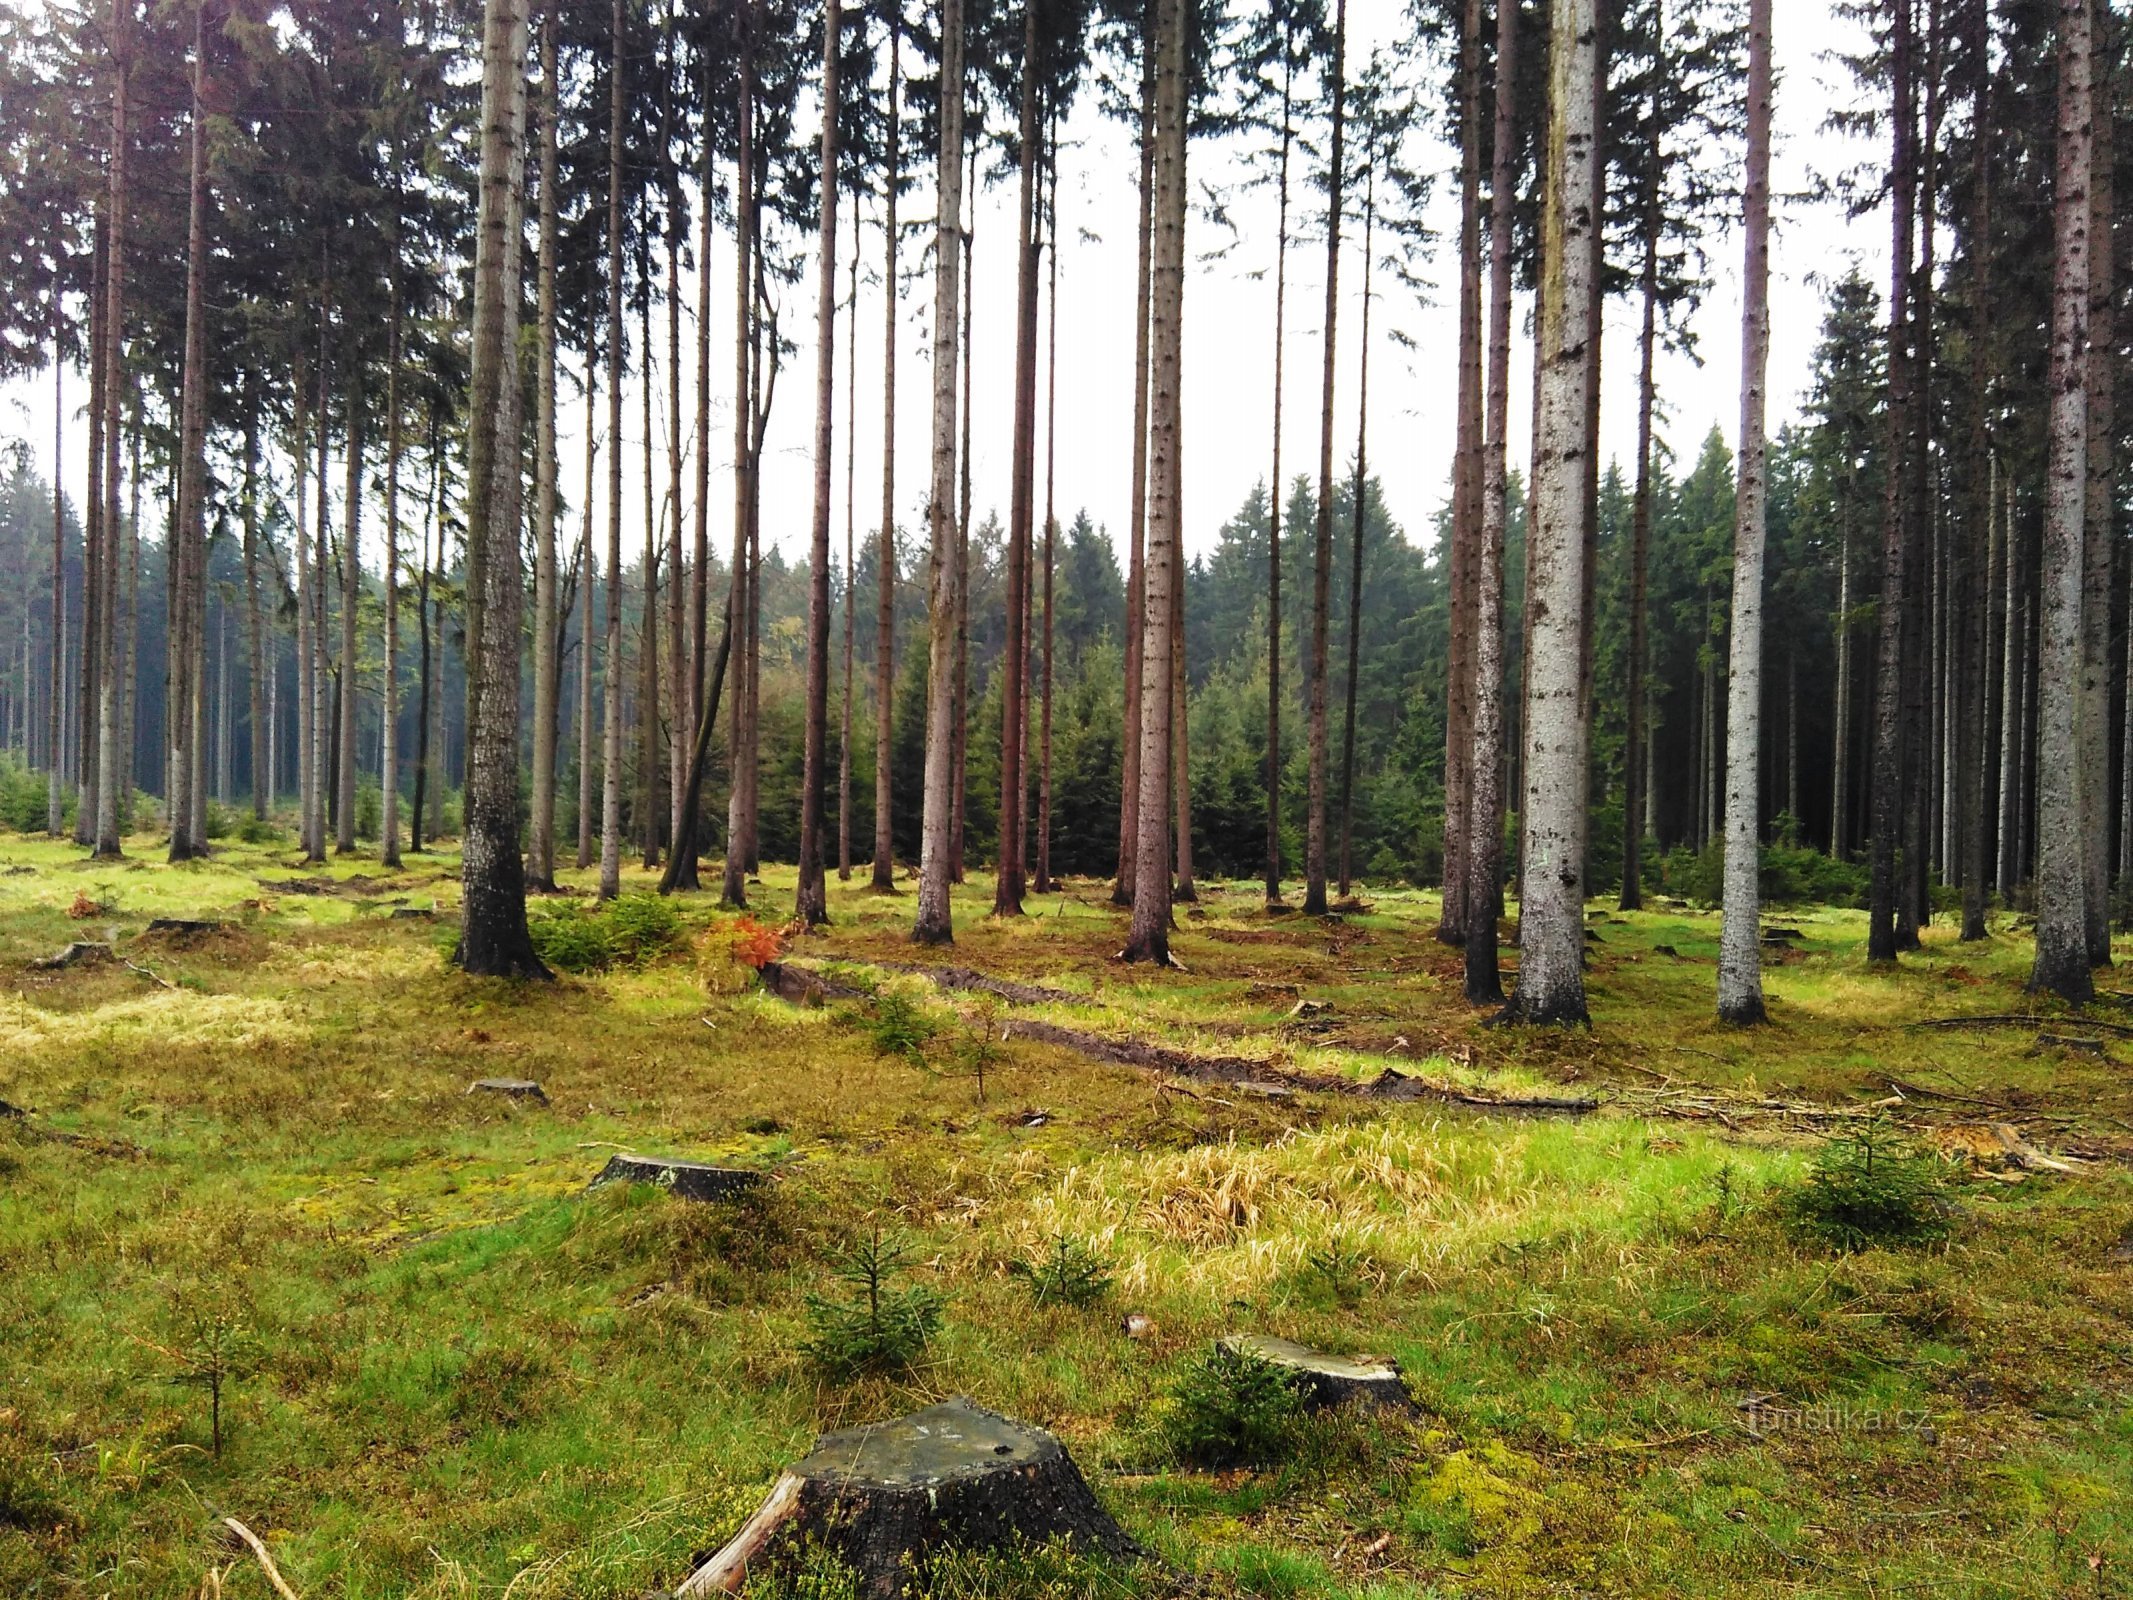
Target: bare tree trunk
[(351, 592), (1014, 666), (733, 890), (321, 579), (680, 686), (1640, 543), (432, 517), (1045, 885), (1129, 810), (589, 564), (1275, 493), (306, 660), (191, 528), (611, 664), (547, 680), (493, 939), (254, 633), (2101, 500), (851, 552), (1980, 532), (934, 923), (1740, 970), (1355, 569), (2014, 646), (811, 904), (1889, 732), (1459, 670), (1841, 738), (389, 739), (885, 559), (2062, 955), (961, 741), (1484, 896), (648, 819), (1183, 888), (1322, 548), (1551, 982), (1149, 937)]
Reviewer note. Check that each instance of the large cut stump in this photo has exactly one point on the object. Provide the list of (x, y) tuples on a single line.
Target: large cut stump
[(883, 1497), (1327, 1380), (689, 1180)]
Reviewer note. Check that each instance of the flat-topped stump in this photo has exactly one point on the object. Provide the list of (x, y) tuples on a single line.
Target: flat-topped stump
[(689, 1180), (510, 1089), (885, 1496), (1327, 1380)]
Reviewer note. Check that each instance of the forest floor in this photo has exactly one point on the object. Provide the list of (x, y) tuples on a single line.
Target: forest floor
[(248, 1154)]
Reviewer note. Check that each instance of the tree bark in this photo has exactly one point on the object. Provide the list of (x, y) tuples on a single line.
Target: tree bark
[(351, 591), (1740, 972), (1980, 542), (733, 889), (2100, 501), (1551, 983), (1459, 668), (589, 564), (961, 740), (1640, 537), (934, 923), (1045, 885), (1355, 567), (1149, 937), (261, 736), (1322, 545), (885, 558), (1484, 898), (493, 939), (611, 664), (810, 903), (2062, 955), (1275, 494), (389, 718), (1129, 811), (547, 681), (851, 553)]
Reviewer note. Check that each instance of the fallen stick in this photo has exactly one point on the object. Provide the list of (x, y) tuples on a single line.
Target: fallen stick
[(266, 1562), (2124, 1030), (154, 978)]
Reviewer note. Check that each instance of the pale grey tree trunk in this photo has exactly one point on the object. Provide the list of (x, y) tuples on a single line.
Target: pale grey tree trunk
[(389, 738), (344, 841), (105, 796), (1149, 936), (1485, 769), (2101, 502), (1551, 981), (2013, 644), (2062, 958), (611, 665), (1465, 509), (547, 684), (934, 923), (851, 551), (1740, 968), (589, 565), (885, 558), (1840, 802), (1129, 809), (810, 904), (1322, 546), (493, 938)]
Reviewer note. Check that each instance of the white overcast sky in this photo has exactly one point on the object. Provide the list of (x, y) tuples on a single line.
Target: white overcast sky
[(1228, 338)]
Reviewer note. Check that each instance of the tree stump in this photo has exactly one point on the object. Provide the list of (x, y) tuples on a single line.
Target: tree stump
[(79, 951), (1327, 1380), (182, 927), (510, 1089), (689, 1180), (885, 1496)]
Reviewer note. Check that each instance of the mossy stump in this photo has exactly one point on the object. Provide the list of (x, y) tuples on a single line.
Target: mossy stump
[(1325, 1380), (687, 1180), (510, 1089), (882, 1498)]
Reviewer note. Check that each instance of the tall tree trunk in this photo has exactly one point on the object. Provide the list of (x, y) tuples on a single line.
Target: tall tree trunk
[(1045, 885), (1322, 544), (2062, 954), (306, 659), (589, 564), (258, 724), (1355, 568), (1275, 494), (700, 570), (1484, 896), (811, 904), (2101, 499), (1459, 670), (1014, 665), (432, 517), (493, 939), (1149, 936), (1551, 981), (54, 816), (547, 680), (351, 591), (1740, 969), (1980, 541), (1640, 535), (321, 580), (958, 832), (680, 690), (191, 527), (934, 923), (884, 878), (649, 820), (389, 716), (611, 663), (1889, 732), (733, 890), (851, 553), (1129, 810), (1841, 737)]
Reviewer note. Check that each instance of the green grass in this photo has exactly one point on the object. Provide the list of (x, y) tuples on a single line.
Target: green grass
[(462, 1374)]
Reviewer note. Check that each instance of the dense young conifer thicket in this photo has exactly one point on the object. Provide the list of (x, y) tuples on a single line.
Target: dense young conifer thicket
[(315, 289)]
